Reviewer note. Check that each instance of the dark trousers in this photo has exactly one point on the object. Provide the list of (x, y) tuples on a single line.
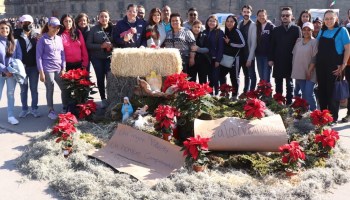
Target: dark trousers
[(101, 67), (233, 76), (249, 76), (347, 77), (201, 67), (214, 77), (289, 88)]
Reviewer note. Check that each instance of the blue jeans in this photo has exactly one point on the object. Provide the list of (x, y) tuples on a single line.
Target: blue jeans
[(11, 85), (307, 90), (264, 69), (249, 76), (101, 67), (31, 81), (214, 77)]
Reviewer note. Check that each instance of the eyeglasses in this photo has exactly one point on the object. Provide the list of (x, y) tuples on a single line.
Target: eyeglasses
[(286, 15), (193, 14), (140, 13)]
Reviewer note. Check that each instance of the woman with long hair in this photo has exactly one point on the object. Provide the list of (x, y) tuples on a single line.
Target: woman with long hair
[(51, 63), (74, 44), (264, 30), (99, 44), (233, 43), (9, 50), (181, 39), (83, 24), (155, 31), (304, 55), (202, 59), (305, 16), (216, 50), (333, 54)]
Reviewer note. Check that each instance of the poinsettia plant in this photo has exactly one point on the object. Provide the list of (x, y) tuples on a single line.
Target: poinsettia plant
[(254, 108), (320, 119), (292, 156), (264, 89), (87, 109), (195, 150), (279, 98), (299, 106), (165, 116), (65, 127), (326, 141), (78, 83), (225, 90)]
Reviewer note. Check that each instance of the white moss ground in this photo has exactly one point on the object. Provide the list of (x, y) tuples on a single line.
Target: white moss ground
[(80, 177)]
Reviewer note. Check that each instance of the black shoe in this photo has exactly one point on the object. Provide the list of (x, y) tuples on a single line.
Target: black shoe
[(333, 123), (345, 119)]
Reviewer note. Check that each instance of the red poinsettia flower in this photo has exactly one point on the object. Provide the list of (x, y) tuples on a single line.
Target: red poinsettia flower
[(252, 94), (68, 117), (165, 116), (225, 90), (195, 144), (300, 103), (87, 109), (279, 98), (173, 80), (292, 152), (86, 82), (328, 138), (264, 88), (254, 108), (321, 118)]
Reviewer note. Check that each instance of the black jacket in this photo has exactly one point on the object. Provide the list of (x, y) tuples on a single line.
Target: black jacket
[(235, 44), (282, 44), (28, 58)]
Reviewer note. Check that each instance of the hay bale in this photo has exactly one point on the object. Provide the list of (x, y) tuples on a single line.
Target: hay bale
[(133, 62)]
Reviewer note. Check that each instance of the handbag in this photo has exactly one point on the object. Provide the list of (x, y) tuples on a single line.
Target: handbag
[(227, 61), (341, 89)]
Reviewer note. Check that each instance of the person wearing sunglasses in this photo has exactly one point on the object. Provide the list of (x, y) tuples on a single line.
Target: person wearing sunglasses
[(280, 56), (51, 63), (192, 15)]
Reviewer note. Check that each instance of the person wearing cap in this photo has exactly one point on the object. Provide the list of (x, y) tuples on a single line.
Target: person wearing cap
[(9, 50), (51, 63), (304, 56), (317, 26), (332, 57), (27, 39)]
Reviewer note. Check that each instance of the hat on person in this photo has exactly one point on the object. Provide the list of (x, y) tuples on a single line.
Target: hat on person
[(308, 24), (26, 18), (53, 21), (317, 20)]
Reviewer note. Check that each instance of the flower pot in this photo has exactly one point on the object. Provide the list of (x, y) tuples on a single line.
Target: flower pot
[(67, 151), (167, 136), (199, 168)]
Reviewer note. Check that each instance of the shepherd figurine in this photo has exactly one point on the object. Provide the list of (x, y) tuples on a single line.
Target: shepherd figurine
[(127, 109)]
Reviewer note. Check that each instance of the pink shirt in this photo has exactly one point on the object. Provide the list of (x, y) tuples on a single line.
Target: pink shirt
[(75, 51)]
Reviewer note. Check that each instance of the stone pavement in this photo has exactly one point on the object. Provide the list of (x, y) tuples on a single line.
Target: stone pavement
[(13, 138)]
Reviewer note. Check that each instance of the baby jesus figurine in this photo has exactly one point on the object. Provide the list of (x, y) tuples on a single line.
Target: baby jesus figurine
[(141, 111)]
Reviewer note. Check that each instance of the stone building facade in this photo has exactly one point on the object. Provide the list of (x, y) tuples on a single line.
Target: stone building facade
[(117, 8)]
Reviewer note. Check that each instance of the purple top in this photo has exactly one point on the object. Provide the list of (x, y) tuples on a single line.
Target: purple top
[(50, 54)]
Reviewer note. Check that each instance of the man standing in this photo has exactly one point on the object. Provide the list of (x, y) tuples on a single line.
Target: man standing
[(317, 26), (166, 12), (141, 12), (280, 57), (192, 14), (248, 30)]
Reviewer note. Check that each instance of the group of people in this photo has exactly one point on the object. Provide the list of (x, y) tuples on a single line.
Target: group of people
[(306, 52)]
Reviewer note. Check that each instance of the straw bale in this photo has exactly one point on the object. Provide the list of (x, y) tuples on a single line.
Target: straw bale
[(133, 62)]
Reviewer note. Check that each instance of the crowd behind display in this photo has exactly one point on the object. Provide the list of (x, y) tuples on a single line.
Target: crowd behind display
[(300, 53)]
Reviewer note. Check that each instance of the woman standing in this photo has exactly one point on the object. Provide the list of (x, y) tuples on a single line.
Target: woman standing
[(333, 54), (51, 63), (202, 59), (264, 29), (304, 55), (234, 41), (74, 44), (305, 16), (216, 50), (182, 39), (82, 22), (100, 48), (9, 49), (155, 31)]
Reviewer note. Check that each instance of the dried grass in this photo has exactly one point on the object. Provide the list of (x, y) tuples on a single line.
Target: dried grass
[(133, 62), (80, 177)]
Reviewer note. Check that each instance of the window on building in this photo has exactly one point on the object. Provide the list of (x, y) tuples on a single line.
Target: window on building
[(165, 2), (188, 4), (36, 9)]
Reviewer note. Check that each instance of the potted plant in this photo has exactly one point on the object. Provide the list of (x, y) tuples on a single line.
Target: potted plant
[(292, 157), (195, 150), (165, 116), (299, 106), (320, 119), (254, 108), (326, 141), (225, 90), (67, 147)]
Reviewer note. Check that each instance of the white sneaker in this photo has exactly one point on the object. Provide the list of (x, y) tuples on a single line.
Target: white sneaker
[(23, 113), (52, 115), (35, 113), (12, 120)]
